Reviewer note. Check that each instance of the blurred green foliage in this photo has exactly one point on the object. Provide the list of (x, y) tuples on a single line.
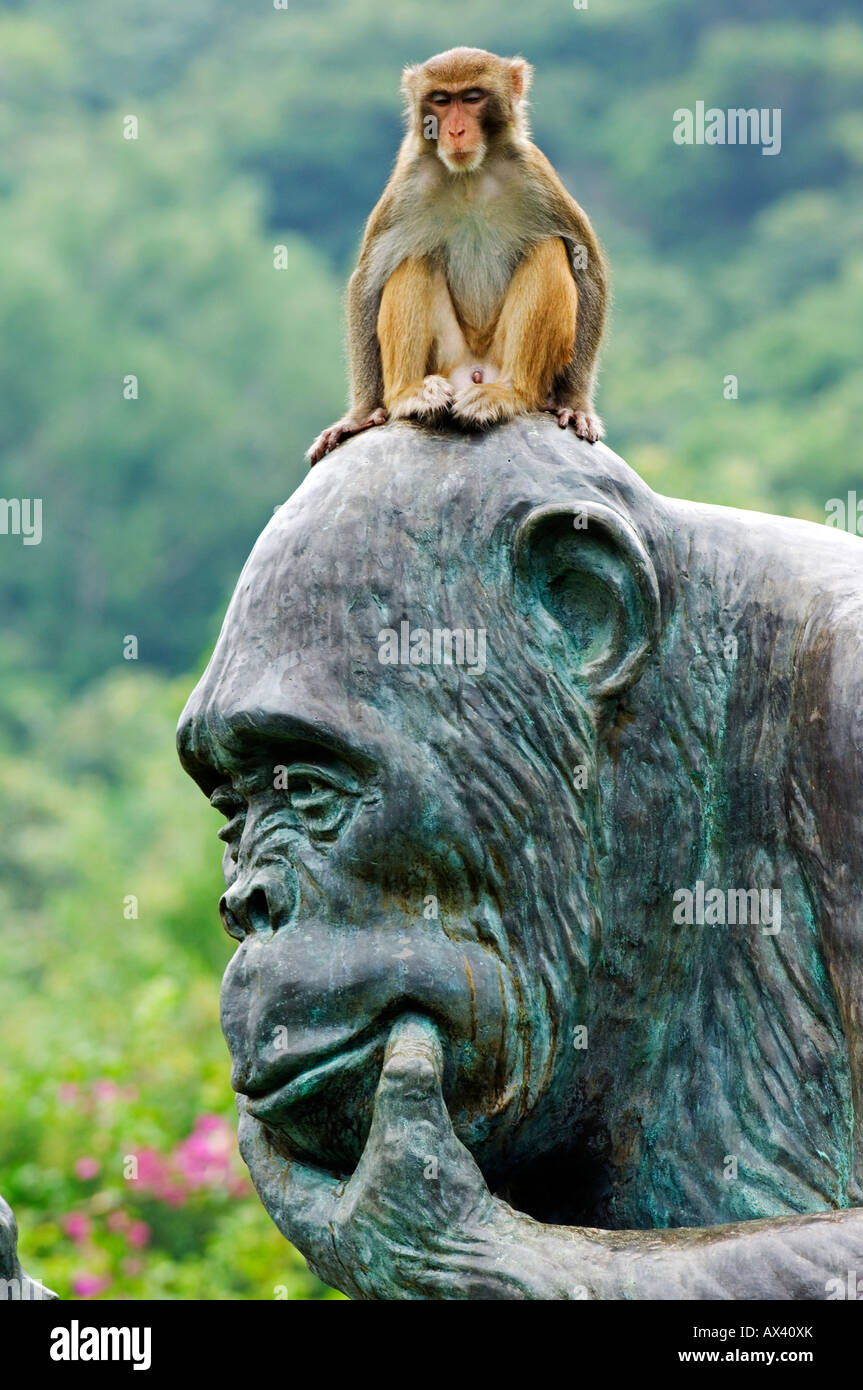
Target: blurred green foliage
[(154, 257), (111, 1048)]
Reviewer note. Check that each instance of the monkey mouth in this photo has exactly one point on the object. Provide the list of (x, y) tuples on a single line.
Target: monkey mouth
[(271, 1105), (462, 161)]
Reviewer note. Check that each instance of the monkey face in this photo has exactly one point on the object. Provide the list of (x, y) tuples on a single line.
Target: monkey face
[(460, 118), (466, 101)]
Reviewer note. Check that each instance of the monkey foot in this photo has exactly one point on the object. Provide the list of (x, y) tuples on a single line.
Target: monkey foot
[(432, 397), (588, 427), (484, 403), (343, 429)]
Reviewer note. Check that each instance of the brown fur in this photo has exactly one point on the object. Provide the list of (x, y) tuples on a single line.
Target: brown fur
[(469, 297)]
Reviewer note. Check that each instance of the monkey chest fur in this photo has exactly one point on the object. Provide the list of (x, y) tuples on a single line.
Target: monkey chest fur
[(477, 232)]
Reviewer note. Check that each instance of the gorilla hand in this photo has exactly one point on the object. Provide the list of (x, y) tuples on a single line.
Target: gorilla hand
[(416, 1219)]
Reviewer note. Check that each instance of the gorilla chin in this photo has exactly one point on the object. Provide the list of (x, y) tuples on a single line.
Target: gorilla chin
[(322, 1115)]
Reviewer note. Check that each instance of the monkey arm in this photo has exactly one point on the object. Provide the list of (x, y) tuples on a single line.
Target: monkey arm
[(366, 405), (574, 386), (367, 384), (365, 288)]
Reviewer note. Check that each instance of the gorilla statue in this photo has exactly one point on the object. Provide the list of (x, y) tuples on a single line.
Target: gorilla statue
[(15, 1285), (544, 858)]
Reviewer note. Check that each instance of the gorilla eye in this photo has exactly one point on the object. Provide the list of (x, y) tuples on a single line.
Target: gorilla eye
[(321, 803), (232, 805)]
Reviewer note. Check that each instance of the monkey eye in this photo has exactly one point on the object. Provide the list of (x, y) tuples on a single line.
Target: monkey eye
[(473, 95), (321, 802), (231, 805), (439, 98)]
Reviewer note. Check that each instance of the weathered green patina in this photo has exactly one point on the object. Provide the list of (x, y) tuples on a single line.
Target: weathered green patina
[(515, 999)]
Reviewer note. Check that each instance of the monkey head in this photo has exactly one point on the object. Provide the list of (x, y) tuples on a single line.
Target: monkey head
[(462, 103), (390, 723)]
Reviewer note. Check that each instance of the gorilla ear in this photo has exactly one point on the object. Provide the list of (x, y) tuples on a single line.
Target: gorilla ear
[(587, 581)]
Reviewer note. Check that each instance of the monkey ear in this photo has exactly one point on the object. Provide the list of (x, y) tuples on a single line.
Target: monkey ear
[(589, 584), (409, 77), (521, 74)]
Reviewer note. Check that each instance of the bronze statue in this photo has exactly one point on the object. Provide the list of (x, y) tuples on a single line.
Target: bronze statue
[(544, 857)]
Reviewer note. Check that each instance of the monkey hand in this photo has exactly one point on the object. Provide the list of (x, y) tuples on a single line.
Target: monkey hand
[(588, 427), (416, 1219), (352, 423)]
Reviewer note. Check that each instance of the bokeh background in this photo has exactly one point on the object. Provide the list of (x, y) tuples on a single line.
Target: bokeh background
[(261, 127)]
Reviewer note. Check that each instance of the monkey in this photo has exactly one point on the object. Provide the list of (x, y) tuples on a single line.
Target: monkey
[(481, 289)]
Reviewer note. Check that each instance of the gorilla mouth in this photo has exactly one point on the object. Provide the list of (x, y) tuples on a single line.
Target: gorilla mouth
[(271, 1105)]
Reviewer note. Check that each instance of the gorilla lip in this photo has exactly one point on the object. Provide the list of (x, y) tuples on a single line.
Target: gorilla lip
[(298, 1087)]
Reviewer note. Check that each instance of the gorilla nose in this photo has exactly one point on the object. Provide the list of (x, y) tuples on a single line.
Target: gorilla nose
[(245, 909)]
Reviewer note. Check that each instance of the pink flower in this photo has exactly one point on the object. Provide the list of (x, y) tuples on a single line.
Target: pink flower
[(173, 1194), (152, 1168), (205, 1158), (205, 1123), (139, 1234), (89, 1285), (117, 1221), (86, 1168), (68, 1093), (106, 1090), (77, 1226)]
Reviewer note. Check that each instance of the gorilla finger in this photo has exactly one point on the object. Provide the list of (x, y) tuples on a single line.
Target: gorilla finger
[(414, 1054), (410, 1114)]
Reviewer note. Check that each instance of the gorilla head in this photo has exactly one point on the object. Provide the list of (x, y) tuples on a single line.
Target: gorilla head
[(479, 711)]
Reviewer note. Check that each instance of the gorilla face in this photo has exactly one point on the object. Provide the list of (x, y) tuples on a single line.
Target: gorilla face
[(357, 887), (407, 836), (351, 904)]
